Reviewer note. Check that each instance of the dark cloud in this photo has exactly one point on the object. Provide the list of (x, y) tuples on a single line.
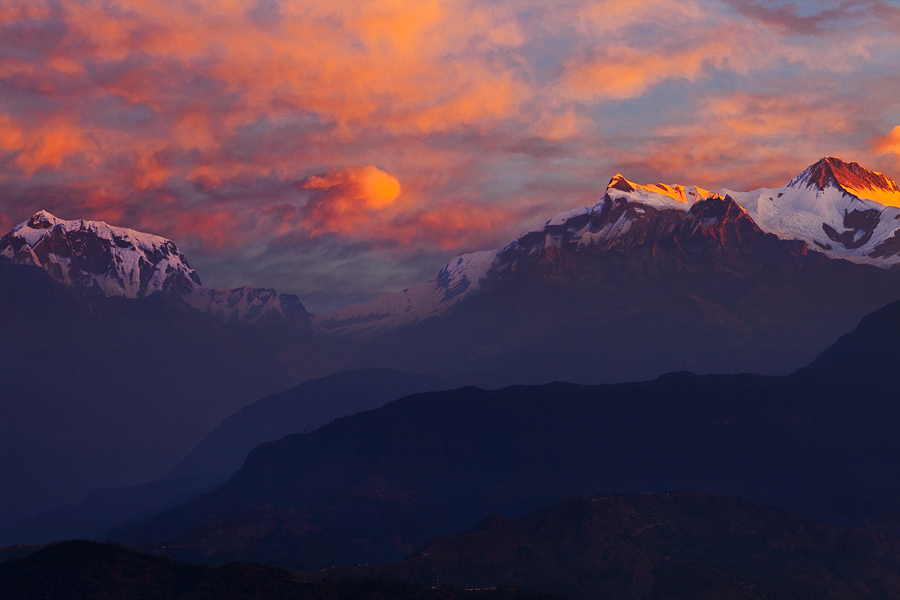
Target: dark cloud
[(812, 18)]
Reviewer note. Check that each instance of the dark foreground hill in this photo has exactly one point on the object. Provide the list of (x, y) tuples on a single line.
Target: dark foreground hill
[(91, 571), (374, 486), (683, 545)]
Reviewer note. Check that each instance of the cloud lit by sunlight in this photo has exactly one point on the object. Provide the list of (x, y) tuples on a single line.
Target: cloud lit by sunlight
[(889, 144)]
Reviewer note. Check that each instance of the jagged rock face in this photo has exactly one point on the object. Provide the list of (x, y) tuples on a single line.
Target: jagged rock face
[(91, 255), (613, 224), (718, 234), (719, 219), (831, 171)]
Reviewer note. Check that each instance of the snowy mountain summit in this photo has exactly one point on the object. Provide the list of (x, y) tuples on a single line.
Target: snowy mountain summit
[(98, 258), (839, 209), (91, 255)]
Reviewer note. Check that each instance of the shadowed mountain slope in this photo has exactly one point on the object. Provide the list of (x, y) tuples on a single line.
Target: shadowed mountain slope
[(652, 289)]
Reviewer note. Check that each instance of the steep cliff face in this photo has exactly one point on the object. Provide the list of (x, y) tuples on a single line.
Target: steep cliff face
[(852, 179)]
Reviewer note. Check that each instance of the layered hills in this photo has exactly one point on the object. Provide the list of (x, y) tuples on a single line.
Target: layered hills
[(374, 486), (670, 546)]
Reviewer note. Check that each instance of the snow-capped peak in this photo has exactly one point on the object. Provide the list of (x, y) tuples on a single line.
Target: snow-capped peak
[(628, 214), (94, 255), (850, 178), (840, 208)]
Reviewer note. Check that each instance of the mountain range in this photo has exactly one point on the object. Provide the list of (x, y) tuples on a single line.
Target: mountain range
[(103, 260), (120, 361), (652, 278), (840, 209)]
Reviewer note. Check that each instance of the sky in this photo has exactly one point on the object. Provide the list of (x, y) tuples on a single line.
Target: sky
[(343, 149)]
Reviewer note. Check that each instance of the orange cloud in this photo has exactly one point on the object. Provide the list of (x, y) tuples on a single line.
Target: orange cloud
[(345, 199), (47, 146), (629, 72), (743, 141), (889, 144)]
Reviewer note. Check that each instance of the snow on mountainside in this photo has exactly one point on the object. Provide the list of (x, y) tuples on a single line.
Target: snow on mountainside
[(455, 282), (92, 255), (839, 208), (113, 261)]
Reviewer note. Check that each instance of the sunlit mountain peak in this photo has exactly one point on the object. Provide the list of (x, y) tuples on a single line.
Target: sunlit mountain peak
[(656, 194), (850, 178)]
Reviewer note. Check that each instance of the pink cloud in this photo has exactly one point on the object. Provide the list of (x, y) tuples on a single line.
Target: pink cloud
[(889, 144)]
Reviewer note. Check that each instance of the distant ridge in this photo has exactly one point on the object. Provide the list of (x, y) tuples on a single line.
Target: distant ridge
[(371, 487)]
